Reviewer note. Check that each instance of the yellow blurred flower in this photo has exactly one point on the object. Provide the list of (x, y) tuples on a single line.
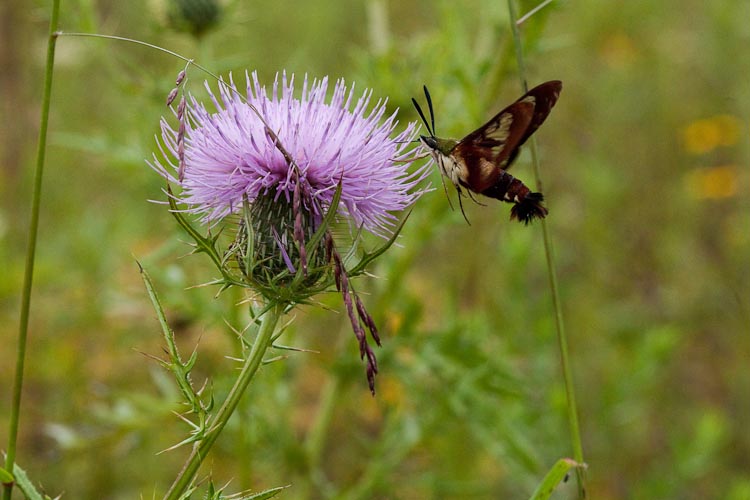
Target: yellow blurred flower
[(391, 390), (712, 183), (704, 135), (618, 51), (394, 321), (730, 129)]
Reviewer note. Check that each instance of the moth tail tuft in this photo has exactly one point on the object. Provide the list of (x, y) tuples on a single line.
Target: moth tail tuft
[(529, 208)]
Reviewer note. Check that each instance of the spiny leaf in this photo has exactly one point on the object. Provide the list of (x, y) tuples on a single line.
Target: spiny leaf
[(203, 244), (264, 495), (190, 363), (249, 249), (553, 478), (327, 220), (180, 371), (5, 476), (370, 256), (25, 485), (156, 303), (355, 244)]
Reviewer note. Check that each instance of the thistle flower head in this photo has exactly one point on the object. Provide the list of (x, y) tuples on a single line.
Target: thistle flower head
[(229, 156), (288, 165)]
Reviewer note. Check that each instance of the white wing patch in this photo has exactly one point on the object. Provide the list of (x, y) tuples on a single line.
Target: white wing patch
[(503, 129), (486, 168), (456, 172)]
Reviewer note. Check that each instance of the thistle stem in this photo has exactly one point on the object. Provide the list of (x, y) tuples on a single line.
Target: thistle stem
[(250, 367), (572, 409), (31, 250)]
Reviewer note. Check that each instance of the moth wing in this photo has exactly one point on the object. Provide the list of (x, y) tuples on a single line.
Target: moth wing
[(487, 150), (495, 145), (544, 97)]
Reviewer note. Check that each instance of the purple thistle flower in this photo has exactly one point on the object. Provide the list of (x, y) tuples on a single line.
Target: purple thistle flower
[(280, 162), (228, 154)]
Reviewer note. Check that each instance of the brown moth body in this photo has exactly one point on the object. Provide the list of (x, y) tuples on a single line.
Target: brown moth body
[(479, 161)]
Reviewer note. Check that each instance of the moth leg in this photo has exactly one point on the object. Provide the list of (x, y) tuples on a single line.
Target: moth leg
[(471, 195), (442, 181), (461, 205), (447, 195)]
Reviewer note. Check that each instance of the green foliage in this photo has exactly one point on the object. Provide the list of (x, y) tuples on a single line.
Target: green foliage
[(212, 493), (192, 398), (559, 472), (24, 484)]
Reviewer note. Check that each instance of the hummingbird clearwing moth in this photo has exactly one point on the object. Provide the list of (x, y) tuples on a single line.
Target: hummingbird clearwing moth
[(479, 161)]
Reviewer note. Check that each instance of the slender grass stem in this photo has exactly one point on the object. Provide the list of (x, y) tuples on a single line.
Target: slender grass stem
[(31, 249), (532, 12), (253, 361), (145, 44), (315, 442), (575, 433), (227, 86)]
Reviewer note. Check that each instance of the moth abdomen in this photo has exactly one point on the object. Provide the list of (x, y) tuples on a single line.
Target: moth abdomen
[(527, 205), (529, 208)]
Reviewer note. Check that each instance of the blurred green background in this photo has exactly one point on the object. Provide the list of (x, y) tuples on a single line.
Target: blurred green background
[(645, 169)]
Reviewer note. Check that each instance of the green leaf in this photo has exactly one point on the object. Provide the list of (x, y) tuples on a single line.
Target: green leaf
[(250, 247), (553, 478), (370, 256), (24, 484), (180, 370), (203, 244), (5, 476), (263, 495), (327, 220), (355, 245)]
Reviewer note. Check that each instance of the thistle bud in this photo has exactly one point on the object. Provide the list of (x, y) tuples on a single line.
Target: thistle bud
[(193, 16)]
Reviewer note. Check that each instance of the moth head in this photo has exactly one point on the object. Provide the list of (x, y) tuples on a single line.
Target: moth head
[(438, 145), (429, 141), (450, 166)]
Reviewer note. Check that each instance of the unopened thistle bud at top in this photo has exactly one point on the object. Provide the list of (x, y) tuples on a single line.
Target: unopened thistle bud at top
[(285, 172), (196, 17)]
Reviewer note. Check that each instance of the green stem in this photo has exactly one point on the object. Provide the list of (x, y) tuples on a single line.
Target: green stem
[(319, 432), (575, 433), (316, 438), (31, 249), (249, 368), (315, 481)]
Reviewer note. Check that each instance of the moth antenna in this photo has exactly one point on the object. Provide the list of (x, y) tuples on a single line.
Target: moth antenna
[(421, 115), (429, 103)]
